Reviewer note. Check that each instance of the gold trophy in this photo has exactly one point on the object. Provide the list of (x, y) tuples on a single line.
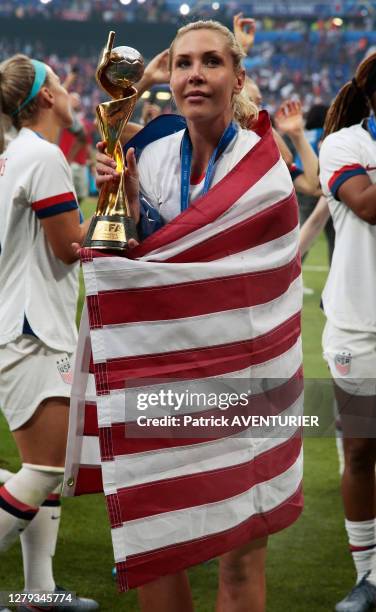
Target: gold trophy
[(119, 68)]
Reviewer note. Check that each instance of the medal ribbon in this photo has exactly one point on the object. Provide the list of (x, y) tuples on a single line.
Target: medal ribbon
[(186, 162)]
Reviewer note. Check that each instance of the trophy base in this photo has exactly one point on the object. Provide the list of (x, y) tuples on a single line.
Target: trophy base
[(110, 232)]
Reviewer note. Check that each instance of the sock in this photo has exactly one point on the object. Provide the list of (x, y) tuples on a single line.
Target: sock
[(362, 542), (20, 499), (38, 543), (5, 475), (340, 453), (339, 439)]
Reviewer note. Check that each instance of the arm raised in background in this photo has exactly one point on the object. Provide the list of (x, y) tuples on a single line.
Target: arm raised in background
[(156, 73), (244, 31), (289, 121)]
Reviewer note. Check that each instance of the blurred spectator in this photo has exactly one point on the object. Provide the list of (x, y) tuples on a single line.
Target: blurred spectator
[(76, 143), (305, 60)]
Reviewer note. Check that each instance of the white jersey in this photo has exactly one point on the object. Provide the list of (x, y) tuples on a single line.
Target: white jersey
[(159, 170), (36, 288), (349, 296)]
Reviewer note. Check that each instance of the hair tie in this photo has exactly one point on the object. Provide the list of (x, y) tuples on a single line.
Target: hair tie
[(39, 78)]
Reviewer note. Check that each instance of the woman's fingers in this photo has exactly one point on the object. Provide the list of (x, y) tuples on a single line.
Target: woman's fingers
[(76, 247), (105, 160), (101, 146), (105, 167), (131, 162), (132, 243), (102, 179)]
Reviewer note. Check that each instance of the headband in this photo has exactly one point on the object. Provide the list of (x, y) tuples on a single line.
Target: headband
[(40, 70)]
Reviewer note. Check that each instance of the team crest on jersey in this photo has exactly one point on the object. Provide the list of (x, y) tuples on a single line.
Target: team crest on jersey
[(343, 362), (65, 370)]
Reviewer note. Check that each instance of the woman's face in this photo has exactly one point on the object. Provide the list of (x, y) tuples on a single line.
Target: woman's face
[(203, 80), (59, 97)]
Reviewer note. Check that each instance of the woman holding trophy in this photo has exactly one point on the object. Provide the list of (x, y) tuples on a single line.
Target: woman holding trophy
[(39, 220), (173, 173)]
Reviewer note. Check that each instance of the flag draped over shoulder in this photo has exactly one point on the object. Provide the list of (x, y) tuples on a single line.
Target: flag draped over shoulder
[(215, 293)]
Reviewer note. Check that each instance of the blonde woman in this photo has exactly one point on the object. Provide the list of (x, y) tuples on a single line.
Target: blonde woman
[(207, 79)]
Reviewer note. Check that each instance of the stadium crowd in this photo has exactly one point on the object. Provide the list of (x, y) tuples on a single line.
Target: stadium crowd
[(282, 69), (153, 11)]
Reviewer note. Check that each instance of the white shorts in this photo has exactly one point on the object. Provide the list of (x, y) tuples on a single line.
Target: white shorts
[(31, 372), (351, 357), (80, 180)]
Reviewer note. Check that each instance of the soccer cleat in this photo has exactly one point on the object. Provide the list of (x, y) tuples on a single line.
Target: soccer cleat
[(360, 599), (76, 604)]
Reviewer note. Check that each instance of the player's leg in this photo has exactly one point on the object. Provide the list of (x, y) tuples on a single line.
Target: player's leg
[(170, 593), (358, 493), (30, 373), (351, 359), (34, 396), (41, 442), (242, 586)]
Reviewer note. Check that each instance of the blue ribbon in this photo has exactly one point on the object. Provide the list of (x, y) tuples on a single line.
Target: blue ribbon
[(39, 78), (186, 162)]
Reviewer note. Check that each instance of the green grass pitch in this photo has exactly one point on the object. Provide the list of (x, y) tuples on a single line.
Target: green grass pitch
[(308, 569)]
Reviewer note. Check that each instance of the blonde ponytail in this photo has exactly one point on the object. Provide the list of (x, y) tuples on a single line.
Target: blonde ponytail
[(16, 80)]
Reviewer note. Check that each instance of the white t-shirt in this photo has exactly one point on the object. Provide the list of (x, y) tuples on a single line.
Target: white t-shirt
[(159, 170), (349, 296), (35, 183)]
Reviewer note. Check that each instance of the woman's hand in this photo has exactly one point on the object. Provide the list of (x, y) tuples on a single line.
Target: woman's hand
[(105, 167), (157, 69), (244, 31), (156, 72), (289, 119), (106, 173), (132, 184)]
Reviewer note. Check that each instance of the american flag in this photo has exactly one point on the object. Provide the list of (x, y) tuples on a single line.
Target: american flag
[(215, 293)]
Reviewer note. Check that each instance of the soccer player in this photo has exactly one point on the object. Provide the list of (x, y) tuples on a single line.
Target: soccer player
[(206, 80), (39, 220), (348, 174)]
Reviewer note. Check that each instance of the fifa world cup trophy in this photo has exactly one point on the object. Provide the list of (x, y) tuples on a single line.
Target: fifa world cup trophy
[(118, 69)]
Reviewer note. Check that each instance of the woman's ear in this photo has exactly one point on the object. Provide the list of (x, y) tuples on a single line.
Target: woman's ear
[(46, 98), (239, 81)]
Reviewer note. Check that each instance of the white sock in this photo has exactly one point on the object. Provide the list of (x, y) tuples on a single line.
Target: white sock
[(362, 541), (340, 453), (339, 438), (38, 543), (20, 499)]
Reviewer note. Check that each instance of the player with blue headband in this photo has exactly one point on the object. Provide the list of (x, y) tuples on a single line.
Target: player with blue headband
[(39, 219), (39, 78)]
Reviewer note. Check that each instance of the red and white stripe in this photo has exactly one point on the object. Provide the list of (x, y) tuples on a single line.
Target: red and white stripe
[(214, 295)]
